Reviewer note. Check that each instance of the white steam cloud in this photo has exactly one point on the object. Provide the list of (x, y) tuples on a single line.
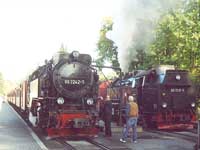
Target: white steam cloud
[(134, 25)]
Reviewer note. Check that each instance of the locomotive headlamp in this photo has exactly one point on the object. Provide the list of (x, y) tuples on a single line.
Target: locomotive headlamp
[(75, 54), (178, 77), (164, 105), (193, 104), (60, 100), (90, 101)]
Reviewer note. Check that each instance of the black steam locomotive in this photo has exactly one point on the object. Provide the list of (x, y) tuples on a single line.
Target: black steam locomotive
[(61, 96), (166, 97)]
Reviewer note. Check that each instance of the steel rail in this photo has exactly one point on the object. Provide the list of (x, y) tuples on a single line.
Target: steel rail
[(63, 142), (177, 135), (103, 147)]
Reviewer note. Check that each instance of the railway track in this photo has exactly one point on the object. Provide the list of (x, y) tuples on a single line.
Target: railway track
[(193, 131), (81, 144), (185, 135)]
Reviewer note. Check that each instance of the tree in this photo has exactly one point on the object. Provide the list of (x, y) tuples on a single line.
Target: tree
[(163, 48), (178, 38), (106, 48)]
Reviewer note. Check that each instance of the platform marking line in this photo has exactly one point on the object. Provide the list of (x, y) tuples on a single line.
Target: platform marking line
[(35, 137)]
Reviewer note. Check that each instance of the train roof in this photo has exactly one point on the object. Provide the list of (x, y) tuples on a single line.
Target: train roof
[(160, 69), (141, 73)]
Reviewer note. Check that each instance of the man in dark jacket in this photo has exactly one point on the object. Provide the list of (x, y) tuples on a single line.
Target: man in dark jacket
[(107, 116)]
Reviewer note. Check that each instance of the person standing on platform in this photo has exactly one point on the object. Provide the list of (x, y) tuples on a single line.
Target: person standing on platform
[(107, 116), (100, 107), (100, 104), (131, 120)]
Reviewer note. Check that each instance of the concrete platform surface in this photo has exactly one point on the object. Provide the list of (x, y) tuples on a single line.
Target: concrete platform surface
[(147, 141), (14, 133)]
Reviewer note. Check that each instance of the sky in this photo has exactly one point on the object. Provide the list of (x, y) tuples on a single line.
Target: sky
[(34, 30)]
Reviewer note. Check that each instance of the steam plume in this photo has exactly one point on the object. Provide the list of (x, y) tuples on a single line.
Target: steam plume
[(134, 25)]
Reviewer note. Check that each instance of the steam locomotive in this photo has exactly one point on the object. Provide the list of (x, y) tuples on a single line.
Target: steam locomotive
[(166, 97), (60, 96)]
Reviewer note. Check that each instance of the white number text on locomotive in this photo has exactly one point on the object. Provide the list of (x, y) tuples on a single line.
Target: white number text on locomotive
[(177, 90), (74, 82)]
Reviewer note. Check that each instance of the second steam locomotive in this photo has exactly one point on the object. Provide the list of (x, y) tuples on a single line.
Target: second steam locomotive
[(60, 96), (165, 95)]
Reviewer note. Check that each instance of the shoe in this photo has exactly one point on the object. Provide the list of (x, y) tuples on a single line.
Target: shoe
[(122, 140), (135, 142)]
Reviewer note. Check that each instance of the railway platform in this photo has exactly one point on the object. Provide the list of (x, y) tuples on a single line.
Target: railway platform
[(147, 141), (14, 133)]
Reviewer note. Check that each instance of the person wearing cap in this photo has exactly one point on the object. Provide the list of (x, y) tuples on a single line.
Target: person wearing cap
[(107, 116), (131, 120)]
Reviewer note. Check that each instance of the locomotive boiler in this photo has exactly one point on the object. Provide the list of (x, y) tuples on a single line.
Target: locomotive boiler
[(60, 96)]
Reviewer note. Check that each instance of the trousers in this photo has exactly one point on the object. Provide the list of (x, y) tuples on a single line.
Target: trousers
[(108, 127), (131, 123)]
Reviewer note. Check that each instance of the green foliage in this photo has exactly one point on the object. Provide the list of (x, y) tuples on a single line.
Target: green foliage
[(177, 39), (176, 42), (143, 61), (106, 48), (107, 76)]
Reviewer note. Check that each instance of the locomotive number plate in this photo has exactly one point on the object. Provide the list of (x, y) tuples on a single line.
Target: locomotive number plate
[(74, 82), (177, 90)]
